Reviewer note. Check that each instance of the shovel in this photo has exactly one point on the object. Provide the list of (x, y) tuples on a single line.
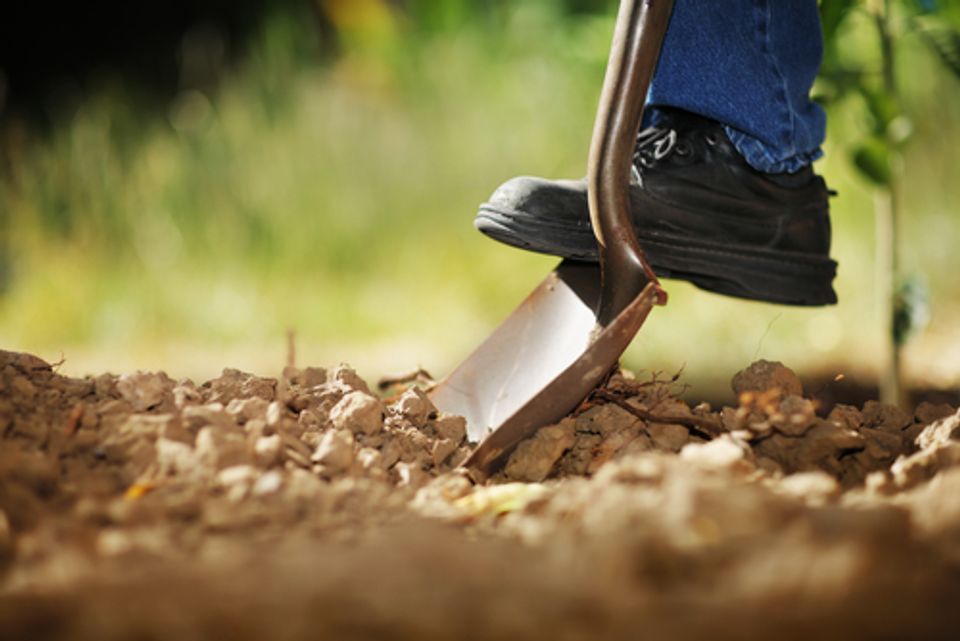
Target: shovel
[(565, 338)]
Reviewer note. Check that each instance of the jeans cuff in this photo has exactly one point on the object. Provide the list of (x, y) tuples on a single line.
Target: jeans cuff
[(759, 156)]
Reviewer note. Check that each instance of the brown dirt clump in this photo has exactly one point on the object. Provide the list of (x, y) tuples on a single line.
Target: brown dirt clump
[(305, 506)]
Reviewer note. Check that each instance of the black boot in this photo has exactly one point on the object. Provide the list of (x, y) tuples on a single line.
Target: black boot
[(701, 213)]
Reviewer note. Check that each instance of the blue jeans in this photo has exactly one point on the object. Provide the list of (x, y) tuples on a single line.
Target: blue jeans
[(748, 64)]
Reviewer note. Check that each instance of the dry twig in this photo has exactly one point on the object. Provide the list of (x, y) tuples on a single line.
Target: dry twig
[(701, 427)]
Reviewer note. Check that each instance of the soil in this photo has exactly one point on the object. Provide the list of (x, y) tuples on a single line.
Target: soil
[(308, 507)]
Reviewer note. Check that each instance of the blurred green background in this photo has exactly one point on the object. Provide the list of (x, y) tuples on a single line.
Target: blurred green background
[(325, 183)]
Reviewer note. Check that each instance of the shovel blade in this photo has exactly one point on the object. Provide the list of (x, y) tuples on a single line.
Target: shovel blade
[(540, 363)]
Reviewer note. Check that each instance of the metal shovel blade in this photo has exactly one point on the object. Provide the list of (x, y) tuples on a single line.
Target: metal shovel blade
[(548, 355), (540, 363)]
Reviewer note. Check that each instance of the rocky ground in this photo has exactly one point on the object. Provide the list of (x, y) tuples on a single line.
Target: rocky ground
[(306, 507)]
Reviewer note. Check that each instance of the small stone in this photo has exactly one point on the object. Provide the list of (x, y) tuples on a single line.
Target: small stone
[(442, 449), (114, 542), (723, 453), (763, 376), (296, 450), (414, 406), (185, 394), (269, 483), (410, 475), (641, 469), (310, 421), (267, 450), (153, 426), (927, 413), (732, 419), (369, 458), (826, 441), (436, 498), (257, 427), (940, 432), (617, 444), (275, 414), (415, 446), (451, 427), (535, 457), (885, 417), (605, 419), (335, 451), (881, 445), (246, 409), (880, 482), (237, 475), (668, 407), (104, 386), (233, 384), (370, 463), (358, 412), (304, 485), (816, 488), (198, 416), (668, 436), (219, 449), (144, 390), (296, 458), (922, 466), (313, 376), (237, 481), (391, 452), (349, 378), (175, 457), (846, 416), (796, 415), (641, 443), (299, 401)]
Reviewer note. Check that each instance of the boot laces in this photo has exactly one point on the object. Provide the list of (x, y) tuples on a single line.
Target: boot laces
[(653, 145)]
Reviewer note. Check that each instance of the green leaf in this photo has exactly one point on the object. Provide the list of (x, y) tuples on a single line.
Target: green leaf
[(872, 159), (832, 15), (883, 108), (911, 309), (944, 42)]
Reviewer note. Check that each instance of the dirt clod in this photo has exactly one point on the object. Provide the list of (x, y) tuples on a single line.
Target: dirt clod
[(358, 412), (764, 376), (335, 451), (534, 458)]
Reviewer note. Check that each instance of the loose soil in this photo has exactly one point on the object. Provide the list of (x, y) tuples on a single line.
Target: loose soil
[(309, 507)]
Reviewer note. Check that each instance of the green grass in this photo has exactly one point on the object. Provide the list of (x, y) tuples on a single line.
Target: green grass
[(334, 196)]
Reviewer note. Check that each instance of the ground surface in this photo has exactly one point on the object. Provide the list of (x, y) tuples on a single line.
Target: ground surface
[(307, 507)]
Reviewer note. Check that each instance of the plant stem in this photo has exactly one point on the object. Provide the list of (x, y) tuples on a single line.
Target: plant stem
[(887, 209)]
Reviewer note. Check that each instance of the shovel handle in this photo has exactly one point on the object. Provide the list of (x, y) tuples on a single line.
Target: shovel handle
[(638, 38)]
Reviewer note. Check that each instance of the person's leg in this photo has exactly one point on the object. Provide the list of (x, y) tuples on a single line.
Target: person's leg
[(748, 64), (723, 196)]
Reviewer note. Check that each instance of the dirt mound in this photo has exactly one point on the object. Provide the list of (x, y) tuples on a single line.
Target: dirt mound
[(306, 507)]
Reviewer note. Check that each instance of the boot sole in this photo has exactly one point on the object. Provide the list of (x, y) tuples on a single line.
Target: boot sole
[(783, 277)]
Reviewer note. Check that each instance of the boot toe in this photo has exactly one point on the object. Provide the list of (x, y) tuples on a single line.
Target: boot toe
[(540, 198)]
